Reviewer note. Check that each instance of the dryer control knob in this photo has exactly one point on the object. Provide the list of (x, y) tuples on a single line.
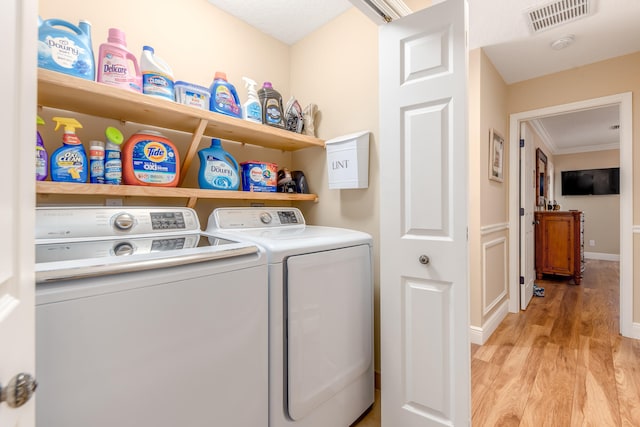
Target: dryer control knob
[(123, 221), (265, 217)]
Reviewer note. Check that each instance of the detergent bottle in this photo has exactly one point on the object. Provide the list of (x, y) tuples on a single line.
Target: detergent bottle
[(251, 109), (157, 77), (116, 65), (272, 112), (113, 156), (218, 169), (224, 98), (41, 155), (69, 162), (66, 48)]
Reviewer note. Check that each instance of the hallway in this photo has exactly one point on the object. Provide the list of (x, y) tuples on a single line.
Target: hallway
[(562, 361)]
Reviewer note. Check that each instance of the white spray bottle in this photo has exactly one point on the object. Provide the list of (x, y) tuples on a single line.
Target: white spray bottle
[(251, 109)]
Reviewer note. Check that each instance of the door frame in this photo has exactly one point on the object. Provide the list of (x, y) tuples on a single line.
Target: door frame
[(624, 100)]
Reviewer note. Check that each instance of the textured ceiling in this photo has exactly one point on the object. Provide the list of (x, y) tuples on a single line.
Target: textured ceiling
[(286, 20)]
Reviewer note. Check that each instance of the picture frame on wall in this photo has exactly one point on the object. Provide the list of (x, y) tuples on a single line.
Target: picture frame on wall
[(496, 156)]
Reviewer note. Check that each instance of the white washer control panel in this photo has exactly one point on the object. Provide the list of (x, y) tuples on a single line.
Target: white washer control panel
[(91, 222), (262, 217)]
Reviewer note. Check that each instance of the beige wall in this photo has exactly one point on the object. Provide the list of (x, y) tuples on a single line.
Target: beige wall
[(601, 213), (488, 199), (325, 71)]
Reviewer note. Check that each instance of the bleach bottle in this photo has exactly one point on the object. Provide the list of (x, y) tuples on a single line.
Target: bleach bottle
[(116, 65), (66, 48), (224, 98), (251, 109), (218, 169), (69, 162), (41, 154), (113, 156), (157, 77)]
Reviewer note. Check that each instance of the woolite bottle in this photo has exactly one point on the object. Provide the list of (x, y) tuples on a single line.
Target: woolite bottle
[(271, 102)]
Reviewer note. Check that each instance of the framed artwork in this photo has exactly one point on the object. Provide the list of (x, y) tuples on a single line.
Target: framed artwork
[(496, 156), (541, 178)]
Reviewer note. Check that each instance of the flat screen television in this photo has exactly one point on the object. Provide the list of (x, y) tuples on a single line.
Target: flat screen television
[(591, 182)]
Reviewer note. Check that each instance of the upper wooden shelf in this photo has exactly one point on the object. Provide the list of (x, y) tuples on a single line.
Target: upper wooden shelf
[(192, 194), (61, 91)]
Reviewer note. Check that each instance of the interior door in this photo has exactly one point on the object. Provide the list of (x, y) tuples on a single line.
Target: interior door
[(527, 207), (424, 261), (17, 121)]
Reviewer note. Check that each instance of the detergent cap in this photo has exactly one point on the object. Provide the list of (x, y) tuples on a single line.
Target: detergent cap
[(69, 124), (39, 120), (220, 75), (114, 135)]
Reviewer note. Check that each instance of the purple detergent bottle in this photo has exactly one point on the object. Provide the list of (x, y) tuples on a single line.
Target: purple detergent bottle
[(42, 157)]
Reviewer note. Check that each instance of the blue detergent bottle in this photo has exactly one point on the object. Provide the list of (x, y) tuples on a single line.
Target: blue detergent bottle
[(66, 48), (218, 169), (224, 98), (69, 162)]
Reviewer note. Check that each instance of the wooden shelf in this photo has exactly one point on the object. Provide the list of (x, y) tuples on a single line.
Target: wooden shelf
[(61, 91), (64, 92), (66, 188)]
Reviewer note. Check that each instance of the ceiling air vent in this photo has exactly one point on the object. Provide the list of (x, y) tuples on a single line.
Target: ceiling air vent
[(557, 13)]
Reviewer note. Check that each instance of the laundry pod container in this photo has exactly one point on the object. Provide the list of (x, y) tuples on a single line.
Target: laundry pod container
[(148, 158)]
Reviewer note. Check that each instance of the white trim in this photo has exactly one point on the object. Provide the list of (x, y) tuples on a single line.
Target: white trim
[(602, 256), (493, 228), (588, 149), (624, 100), (635, 331), (487, 308), (7, 305), (480, 335)]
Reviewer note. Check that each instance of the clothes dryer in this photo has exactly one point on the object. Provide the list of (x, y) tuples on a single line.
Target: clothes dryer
[(320, 314)]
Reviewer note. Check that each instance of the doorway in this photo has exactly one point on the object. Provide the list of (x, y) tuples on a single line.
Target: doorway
[(626, 200)]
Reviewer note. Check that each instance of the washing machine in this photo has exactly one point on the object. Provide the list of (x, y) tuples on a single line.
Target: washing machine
[(144, 320), (320, 314)]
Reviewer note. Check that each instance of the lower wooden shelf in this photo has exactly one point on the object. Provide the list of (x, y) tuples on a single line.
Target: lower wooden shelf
[(192, 194)]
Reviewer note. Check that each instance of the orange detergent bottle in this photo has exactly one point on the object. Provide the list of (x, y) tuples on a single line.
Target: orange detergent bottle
[(148, 158)]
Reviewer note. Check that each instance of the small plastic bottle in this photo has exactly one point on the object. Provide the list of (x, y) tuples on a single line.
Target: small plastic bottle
[(96, 162), (113, 157), (271, 106)]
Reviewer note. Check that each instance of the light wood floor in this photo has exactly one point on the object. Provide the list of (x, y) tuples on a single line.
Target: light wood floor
[(560, 363)]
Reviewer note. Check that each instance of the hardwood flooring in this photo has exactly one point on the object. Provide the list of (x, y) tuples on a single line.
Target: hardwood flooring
[(560, 363)]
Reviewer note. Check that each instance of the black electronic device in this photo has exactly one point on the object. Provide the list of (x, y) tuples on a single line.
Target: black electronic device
[(591, 182)]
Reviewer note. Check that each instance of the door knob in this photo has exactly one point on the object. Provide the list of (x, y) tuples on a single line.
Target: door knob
[(19, 390), (424, 259)]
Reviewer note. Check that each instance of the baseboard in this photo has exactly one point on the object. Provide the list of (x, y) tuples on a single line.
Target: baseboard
[(602, 256), (480, 335), (635, 331)]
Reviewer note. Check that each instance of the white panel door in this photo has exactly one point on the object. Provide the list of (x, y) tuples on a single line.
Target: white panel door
[(17, 121), (424, 261), (527, 205)]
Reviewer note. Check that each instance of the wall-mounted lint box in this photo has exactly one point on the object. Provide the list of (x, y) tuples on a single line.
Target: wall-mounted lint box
[(348, 161)]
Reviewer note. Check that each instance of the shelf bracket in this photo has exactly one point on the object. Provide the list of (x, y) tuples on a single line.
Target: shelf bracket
[(193, 149), (191, 203)]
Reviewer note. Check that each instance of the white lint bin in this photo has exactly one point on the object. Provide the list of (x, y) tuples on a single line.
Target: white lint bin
[(348, 161)]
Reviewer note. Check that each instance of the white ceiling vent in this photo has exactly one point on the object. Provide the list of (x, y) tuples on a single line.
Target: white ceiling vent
[(559, 12)]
